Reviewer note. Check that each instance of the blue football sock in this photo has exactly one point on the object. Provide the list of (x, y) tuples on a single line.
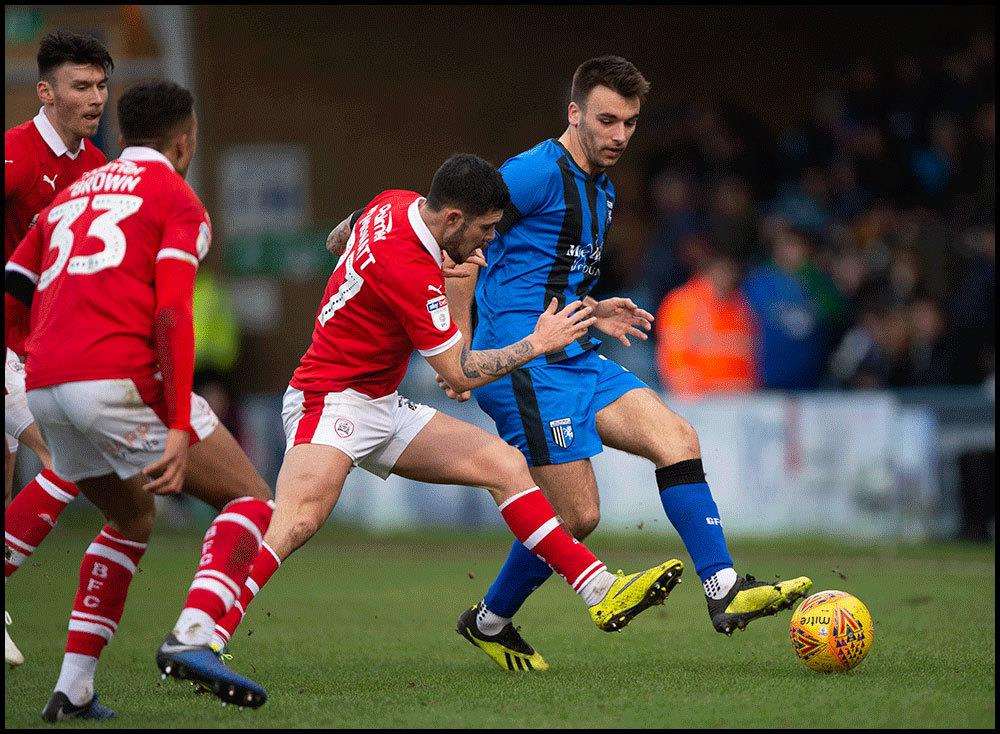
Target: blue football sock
[(688, 502), (521, 574)]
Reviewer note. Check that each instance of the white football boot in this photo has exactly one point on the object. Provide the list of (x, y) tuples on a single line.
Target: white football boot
[(11, 654)]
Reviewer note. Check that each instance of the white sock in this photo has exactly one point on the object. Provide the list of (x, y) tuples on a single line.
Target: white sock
[(217, 640), (490, 623), (194, 627), (76, 678), (719, 583), (596, 587)]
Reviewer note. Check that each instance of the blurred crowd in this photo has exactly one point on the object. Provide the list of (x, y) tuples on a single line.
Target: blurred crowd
[(854, 250)]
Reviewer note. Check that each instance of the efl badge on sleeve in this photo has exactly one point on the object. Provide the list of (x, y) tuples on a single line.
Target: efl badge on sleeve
[(562, 432), (440, 315)]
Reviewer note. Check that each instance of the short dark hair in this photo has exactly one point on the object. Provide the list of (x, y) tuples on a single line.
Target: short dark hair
[(62, 47), (469, 183), (149, 113), (613, 72)]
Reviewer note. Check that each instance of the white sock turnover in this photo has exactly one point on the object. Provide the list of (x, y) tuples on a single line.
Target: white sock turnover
[(490, 623), (719, 583), (596, 587)]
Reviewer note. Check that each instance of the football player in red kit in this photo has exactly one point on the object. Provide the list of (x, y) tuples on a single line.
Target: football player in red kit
[(108, 274), (386, 298), (41, 157)]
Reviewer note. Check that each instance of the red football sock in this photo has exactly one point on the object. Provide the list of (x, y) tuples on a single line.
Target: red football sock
[(264, 566), (231, 543), (105, 575), (532, 519), (32, 514)]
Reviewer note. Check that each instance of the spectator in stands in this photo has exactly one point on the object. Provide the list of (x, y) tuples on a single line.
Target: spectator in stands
[(706, 334), (872, 354), (791, 348), (930, 358), (973, 306), (677, 218)]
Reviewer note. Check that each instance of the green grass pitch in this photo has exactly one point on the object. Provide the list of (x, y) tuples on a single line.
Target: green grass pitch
[(357, 630)]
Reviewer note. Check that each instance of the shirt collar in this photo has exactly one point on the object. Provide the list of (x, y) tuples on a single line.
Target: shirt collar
[(142, 153), (51, 137), (420, 227)]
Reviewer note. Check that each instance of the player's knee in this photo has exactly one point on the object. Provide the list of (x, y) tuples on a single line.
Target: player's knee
[(137, 524), (678, 441), (506, 470), (254, 486), (582, 522)]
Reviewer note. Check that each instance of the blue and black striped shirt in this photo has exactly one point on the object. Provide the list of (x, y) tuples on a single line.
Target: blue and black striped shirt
[(549, 244)]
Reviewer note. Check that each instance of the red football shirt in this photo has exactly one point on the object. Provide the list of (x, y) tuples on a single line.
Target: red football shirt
[(93, 255), (384, 299), (37, 166)]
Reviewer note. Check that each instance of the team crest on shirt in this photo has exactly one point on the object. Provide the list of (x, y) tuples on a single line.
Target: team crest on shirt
[(562, 432), (437, 307)]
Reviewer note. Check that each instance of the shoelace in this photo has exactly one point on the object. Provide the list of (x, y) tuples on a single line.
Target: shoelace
[(6, 617)]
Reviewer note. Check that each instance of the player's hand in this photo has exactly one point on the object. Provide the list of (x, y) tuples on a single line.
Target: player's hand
[(166, 476), (467, 269), (459, 397), (555, 330), (622, 318)]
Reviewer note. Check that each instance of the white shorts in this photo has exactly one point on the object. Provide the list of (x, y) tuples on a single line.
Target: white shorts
[(16, 416), (98, 427), (374, 432)]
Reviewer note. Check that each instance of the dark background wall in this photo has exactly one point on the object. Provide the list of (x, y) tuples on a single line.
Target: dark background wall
[(382, 94)]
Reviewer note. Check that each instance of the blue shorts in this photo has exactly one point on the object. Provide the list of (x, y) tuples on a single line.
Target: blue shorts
[(549, 411)]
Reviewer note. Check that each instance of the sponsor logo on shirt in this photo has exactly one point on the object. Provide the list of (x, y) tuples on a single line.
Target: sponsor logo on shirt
[(437, 307)]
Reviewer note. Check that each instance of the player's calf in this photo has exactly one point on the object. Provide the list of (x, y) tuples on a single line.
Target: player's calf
[(105, 575), (264, 566), (231, 543), (533, 521), (32, 514)]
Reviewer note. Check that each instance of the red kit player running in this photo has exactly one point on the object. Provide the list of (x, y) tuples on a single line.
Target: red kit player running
[(385, 299), (108, 273), (42, 157)]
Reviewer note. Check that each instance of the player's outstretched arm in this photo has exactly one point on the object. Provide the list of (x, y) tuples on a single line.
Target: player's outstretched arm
[(465, 369)]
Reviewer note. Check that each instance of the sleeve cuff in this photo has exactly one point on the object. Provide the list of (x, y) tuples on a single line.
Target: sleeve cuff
[(455, 339)]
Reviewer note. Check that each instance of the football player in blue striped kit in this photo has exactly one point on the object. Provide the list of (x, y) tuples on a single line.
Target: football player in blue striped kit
[(561, 409)]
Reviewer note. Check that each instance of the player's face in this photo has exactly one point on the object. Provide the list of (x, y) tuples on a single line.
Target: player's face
[(605, 123), (76, 93), (468, 234)]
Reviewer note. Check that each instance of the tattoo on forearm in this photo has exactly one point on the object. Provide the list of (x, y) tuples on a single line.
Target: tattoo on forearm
[(495, 362)]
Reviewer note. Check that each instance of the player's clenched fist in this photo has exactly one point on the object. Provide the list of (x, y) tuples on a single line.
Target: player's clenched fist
[(459, 397), (555, 330)]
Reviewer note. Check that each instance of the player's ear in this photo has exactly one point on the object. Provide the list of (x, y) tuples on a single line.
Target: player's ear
[(44, 90), (573, 113), (453, 217)]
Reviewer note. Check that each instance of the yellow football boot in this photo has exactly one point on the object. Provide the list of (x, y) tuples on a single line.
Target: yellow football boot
[(750, 599), (632, 593), (506, 648)]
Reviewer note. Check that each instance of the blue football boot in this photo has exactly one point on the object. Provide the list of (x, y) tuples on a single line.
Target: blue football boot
[(200, 664)]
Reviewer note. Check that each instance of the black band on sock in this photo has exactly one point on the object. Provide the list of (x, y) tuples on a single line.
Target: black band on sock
[(689, 471)]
